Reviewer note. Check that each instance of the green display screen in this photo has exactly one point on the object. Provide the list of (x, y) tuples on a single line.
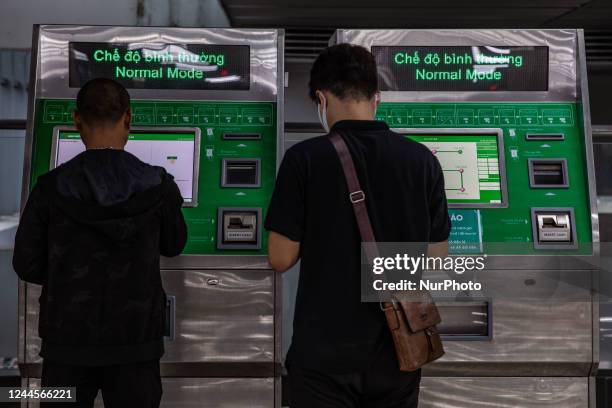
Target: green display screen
[(176, 151), (471, 165), (462, 68), (161, 65)]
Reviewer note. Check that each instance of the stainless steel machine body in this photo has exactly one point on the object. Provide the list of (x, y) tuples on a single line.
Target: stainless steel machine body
[(223, 338), (537, 353)]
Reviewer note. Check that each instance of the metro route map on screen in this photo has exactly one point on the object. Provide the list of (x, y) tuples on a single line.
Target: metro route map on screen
[(470, 164)]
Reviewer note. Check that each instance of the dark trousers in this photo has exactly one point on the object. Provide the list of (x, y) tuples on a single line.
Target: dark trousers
[(382, 385), (135, 385)]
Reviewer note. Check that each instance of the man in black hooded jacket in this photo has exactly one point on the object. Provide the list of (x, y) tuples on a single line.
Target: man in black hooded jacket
[(91, 234)]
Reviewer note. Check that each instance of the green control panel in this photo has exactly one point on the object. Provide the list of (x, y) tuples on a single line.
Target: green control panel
[(236, 172), (545, 171)]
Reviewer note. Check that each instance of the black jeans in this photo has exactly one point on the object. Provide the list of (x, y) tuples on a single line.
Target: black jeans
[(382, 385), (135, 385)]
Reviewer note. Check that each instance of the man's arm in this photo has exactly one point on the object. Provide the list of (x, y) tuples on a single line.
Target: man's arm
[(31, 241), (173, 234), (438, 211), (285, 219), (283, 253), (437, 249)]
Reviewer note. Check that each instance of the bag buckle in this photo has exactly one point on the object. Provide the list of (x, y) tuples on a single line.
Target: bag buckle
[(393, 305), (357, 196)]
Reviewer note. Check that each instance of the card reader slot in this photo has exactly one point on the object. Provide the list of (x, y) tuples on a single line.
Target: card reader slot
[(545, 136), (241, 136), (548, 173), (240, 173)]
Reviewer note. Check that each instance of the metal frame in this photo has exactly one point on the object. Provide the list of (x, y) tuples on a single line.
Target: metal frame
[(563, 61), (262, 58), (462, 337), (196, 154), (469, 131), (557, 246), (590, 161), (258, 228), (267, 85), (532, 160), (224, 162), (567, 83)]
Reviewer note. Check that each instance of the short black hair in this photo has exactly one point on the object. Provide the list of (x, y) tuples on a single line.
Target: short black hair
[(345, 70), (102, 100)]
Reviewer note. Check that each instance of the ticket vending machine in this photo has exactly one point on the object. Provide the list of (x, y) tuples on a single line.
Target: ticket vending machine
[(506, 112), (208, 106)]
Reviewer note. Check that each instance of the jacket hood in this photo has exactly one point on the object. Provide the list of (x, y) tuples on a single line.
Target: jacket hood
[(111, 191)]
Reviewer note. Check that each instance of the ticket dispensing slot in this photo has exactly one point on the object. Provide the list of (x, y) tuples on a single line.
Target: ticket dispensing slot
[(553, 228), (548, 173), (241, 136), (241, 172), (545, 136), (239, 228)]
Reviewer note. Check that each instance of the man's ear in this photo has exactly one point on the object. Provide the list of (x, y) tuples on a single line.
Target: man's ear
[(76, 118), (127, 118), (377, 99), (321, 98)]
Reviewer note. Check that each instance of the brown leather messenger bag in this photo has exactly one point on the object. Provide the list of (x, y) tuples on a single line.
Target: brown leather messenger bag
[(412, 316)]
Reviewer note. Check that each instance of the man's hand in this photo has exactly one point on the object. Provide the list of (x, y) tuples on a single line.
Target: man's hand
[(283, 253), (437, 249)]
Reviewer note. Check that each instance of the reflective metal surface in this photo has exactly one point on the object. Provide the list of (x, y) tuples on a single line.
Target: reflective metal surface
[(563, 59), (220, 316), (227, 308), (208, 393), (541, 324), (504, 392), (53, 55), (544, 313)]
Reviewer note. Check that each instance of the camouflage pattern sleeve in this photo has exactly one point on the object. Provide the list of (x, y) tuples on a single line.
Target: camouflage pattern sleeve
[(30, 254)]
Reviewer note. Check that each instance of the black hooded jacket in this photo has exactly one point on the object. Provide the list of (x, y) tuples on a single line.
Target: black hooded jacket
[(91, 234)]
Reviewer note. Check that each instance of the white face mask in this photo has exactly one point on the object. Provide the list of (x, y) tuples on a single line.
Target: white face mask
[(323, 115)]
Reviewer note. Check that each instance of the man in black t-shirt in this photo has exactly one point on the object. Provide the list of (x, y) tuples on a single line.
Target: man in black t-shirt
[(342, 354)]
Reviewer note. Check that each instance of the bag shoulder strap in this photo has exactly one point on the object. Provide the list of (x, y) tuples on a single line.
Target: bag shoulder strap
[(356, 194)]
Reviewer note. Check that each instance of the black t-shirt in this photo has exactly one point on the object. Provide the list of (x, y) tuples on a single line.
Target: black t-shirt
[(332, 329)]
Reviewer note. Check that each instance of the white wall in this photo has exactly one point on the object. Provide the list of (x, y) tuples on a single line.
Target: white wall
[(18, 16)]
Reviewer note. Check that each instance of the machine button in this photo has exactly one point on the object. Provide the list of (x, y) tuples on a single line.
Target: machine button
[(421, 117), (465, 116), (185, 116), (165, 116), (228, 116), (529, 116)]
